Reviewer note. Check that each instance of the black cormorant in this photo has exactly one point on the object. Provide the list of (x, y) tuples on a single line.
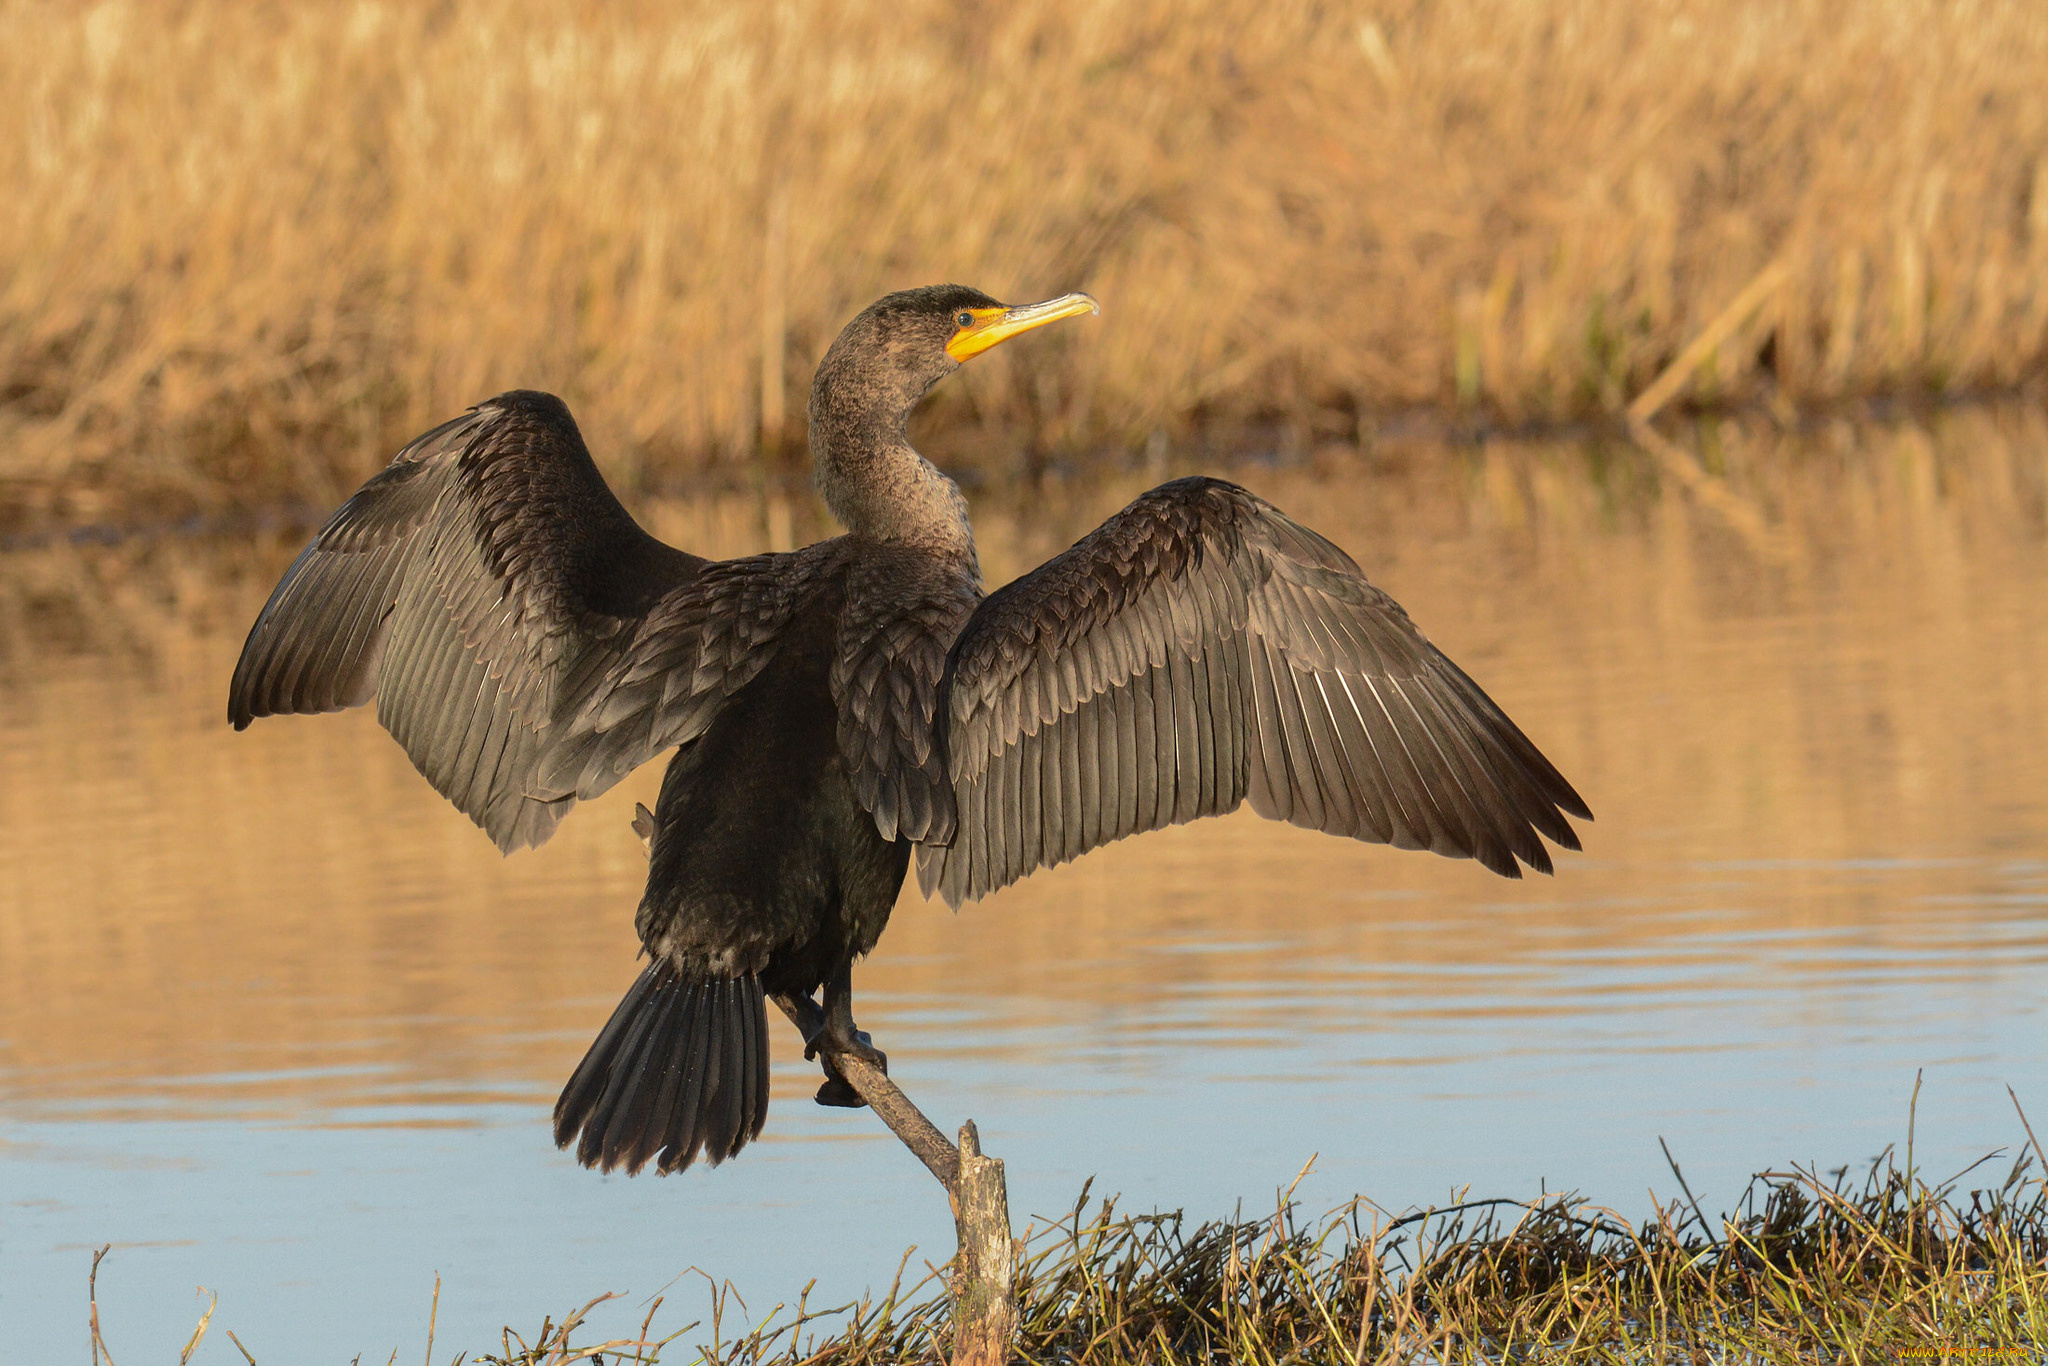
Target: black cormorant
[(835, 709)]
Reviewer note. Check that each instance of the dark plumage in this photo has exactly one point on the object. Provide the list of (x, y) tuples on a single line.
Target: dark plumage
[(834, 707)]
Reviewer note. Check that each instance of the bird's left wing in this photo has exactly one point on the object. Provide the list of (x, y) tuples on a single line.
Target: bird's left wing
[(1201, 647)]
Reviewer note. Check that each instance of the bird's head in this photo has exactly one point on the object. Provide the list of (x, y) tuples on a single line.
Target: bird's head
[(902, 344)]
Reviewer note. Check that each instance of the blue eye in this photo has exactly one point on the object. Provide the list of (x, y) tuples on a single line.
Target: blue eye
[(965, 320)]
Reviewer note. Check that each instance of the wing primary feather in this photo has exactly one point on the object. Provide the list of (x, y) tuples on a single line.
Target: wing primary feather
[(1187, 750), (372, 605), (303, 624), (1044, 760), (1403, 780), (1528, 762), (1067, 830), (1150, 740), (1001, 822), (1204, 720), (470, 723), (1462, 800), (1087, 721), (1524, 794), (1031, 809), (983, 857), (1369, 780), (1509, 735), (1124, 699), (1304, 788), (1272, 784), (1444, 814), (1499, 827), (312, 663), (293, 662), (1405, 805), (1331, 772)]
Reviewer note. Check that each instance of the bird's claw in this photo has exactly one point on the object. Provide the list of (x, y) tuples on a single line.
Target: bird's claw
[(863, 1047)]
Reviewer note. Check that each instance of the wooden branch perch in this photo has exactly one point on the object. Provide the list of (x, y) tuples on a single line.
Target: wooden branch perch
[(883, 1096), (984, 1281)]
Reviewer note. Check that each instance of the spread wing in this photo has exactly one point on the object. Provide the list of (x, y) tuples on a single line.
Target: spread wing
[(1201, 647), (527, 643)]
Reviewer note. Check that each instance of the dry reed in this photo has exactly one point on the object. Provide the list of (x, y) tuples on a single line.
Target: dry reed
[(248, 249)]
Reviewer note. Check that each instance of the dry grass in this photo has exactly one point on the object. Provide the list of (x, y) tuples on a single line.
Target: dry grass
[(1806, 1269), (246, 249)]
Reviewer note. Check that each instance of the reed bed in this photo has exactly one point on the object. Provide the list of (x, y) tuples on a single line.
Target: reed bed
[(248, 249)]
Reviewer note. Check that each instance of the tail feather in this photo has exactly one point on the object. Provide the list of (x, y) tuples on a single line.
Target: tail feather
[(629, 1096), (680, 1070)]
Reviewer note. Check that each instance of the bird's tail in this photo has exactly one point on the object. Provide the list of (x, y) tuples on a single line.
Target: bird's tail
[(680, 1069)]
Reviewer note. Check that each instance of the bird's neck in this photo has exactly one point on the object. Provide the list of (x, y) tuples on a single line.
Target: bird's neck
[(878, 486)]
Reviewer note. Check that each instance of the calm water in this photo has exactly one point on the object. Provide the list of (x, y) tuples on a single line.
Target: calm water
[(276, 1021)]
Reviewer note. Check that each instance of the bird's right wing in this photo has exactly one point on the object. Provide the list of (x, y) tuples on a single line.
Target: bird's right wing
[(527, 643), (1199, 648)]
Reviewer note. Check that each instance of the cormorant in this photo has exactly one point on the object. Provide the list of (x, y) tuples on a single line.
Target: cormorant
[(836, 708)]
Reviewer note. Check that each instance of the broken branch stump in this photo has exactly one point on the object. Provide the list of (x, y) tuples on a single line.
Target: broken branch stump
[(985, 1278)]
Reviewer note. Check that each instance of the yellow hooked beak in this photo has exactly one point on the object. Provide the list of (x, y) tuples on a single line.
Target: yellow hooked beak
[(984, 327)]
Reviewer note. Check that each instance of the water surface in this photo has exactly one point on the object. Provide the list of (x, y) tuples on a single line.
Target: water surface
[(276, 1020)]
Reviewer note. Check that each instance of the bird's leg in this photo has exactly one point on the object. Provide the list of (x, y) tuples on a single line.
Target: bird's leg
[(808, 1018), (839, 1025), (831, 1030), (817, 1027)]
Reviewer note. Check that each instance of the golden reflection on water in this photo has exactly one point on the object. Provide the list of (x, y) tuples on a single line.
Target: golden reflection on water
[(1838, 737)]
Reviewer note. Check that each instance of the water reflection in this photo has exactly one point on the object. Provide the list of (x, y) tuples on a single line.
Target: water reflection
[(1818, 757)]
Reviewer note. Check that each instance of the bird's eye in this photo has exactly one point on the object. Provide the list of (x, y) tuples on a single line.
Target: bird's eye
[(965, 320)]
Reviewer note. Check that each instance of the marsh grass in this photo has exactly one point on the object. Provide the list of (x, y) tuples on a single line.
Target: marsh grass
[(247, 250), (1809, 1266)]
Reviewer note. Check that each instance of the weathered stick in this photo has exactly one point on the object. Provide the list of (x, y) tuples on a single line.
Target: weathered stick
[(883, 1096), (985, 1271)]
